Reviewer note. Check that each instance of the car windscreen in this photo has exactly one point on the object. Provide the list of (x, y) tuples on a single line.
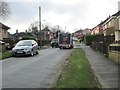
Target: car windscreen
[(24, 43)]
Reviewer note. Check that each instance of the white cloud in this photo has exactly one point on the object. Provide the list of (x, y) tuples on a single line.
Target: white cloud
[(67, 2), (55, 18), (26, 0), (15, 25), (70, 13)]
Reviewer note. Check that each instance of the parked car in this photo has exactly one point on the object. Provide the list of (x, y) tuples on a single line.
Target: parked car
[(25, 47), (54, 43)]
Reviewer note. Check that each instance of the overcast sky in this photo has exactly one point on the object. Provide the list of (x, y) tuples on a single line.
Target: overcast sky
[(72, 14)]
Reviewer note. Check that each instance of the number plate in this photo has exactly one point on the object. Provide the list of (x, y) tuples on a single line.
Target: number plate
[(19, 52)]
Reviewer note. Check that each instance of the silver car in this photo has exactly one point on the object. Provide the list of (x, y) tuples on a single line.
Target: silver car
[(25, 47)]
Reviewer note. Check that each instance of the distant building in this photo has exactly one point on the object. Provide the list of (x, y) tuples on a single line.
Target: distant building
[(86, 31), (20, 35), (78, 33), (48, 34)]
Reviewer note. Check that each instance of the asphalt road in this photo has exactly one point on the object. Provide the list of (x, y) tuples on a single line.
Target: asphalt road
[(39, 71)]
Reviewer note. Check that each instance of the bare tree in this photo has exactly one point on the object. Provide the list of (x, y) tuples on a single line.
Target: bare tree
[(55, 28), (33, 27), (4, 10)]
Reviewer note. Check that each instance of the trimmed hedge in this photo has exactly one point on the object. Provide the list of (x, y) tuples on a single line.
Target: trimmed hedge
[(28, 38), (88, 39), (44, 42)]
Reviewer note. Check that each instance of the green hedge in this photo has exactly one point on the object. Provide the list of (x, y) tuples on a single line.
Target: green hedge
[(88, 39), (28, 38), (44, 42)]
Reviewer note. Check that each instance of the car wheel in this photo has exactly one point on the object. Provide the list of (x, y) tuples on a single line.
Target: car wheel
[(31, 53), (13, 55), (37, 52)]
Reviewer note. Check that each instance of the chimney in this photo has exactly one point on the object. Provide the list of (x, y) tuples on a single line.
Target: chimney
[(119, 6), (16, 31), (26, 31)]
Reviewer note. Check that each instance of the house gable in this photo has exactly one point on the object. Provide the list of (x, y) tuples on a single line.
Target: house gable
[(3, 31), (2, 26)]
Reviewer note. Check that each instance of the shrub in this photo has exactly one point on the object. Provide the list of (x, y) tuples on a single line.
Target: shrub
[(44, 42), (28, 38), (88, 39)]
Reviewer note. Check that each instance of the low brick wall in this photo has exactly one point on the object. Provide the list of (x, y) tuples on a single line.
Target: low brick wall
[(114, 55)]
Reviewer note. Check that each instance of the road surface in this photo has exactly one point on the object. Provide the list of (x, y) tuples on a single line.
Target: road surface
[(40, 71)]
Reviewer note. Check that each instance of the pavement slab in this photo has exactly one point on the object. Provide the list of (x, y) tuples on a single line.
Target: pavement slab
[(106, 70)]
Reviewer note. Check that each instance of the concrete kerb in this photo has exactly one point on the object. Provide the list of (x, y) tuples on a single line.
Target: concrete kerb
[(58, 70)]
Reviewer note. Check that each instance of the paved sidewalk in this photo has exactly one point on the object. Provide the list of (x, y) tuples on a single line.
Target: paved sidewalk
[(105, 70)]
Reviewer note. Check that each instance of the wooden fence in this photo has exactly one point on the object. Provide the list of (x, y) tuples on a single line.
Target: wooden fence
[(101, 43)]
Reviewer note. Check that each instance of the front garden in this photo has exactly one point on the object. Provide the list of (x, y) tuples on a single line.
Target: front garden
[(5, 54)]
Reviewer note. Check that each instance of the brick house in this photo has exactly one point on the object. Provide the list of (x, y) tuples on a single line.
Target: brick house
[(48, 35), (99, 28), (117, 31), (111, 25), (3, 31), (78, 34), (86, 31)]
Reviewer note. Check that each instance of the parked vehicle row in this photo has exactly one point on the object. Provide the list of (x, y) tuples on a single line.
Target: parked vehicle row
[(30, 47)]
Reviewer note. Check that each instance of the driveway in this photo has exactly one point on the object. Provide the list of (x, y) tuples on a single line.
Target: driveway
[(40, 71)]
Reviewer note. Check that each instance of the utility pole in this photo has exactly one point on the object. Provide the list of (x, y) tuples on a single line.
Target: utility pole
[(40, 26), (65, 28)]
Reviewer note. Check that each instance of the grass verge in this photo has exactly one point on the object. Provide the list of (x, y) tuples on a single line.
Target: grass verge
[(6, 54), (78, 73)]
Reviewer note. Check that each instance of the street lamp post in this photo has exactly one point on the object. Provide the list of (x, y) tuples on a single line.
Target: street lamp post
[(40, 26)]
